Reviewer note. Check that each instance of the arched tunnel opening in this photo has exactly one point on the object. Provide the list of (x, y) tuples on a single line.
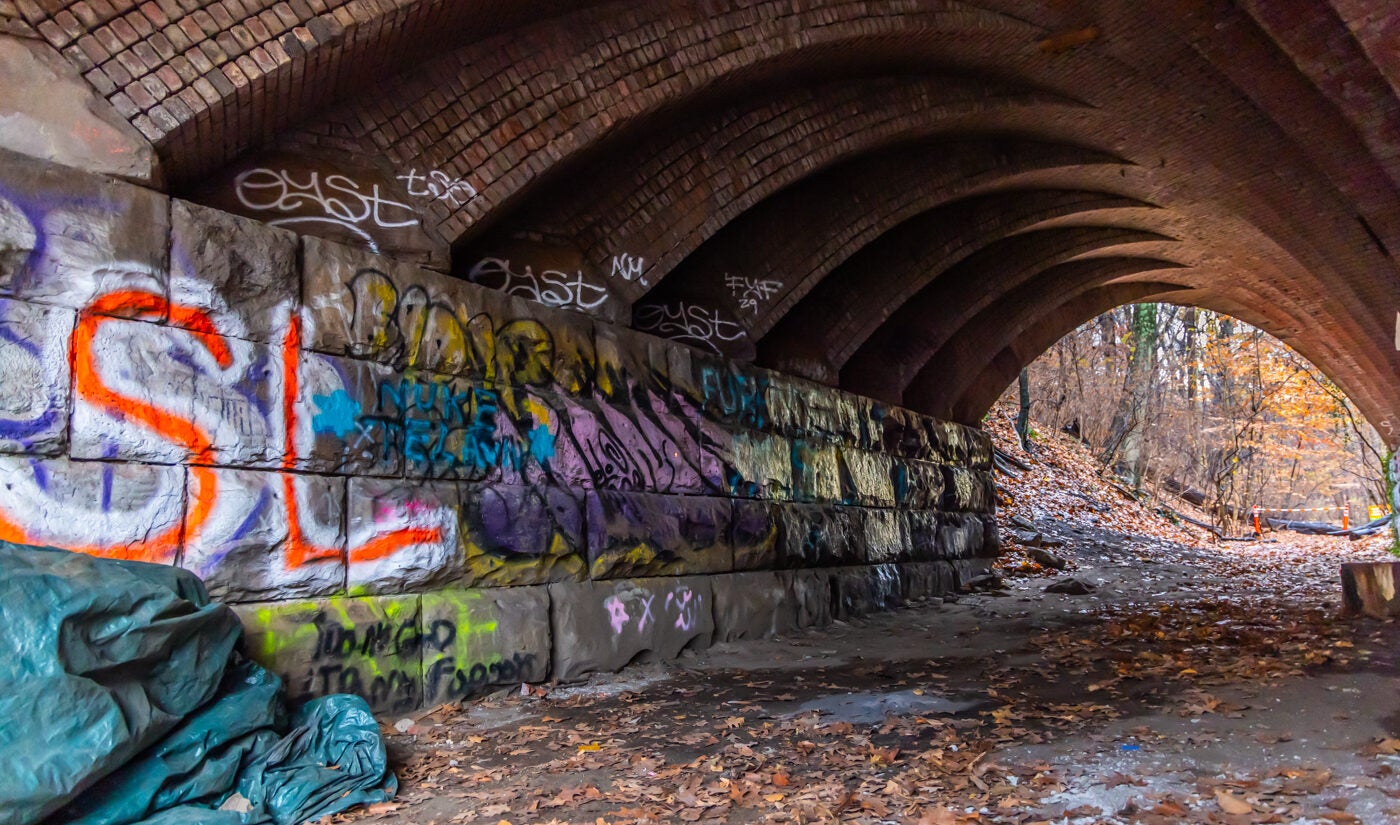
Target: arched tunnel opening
[(466, 355)]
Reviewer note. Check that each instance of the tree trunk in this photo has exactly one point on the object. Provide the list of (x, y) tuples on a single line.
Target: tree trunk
[(1395, 499), (1126, 434), (1023, 417)]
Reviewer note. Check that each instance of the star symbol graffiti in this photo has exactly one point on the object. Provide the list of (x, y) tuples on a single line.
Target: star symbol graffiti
[(336, 413)]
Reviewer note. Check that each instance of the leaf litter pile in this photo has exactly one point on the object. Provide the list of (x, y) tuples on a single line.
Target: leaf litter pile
[(948, 712)]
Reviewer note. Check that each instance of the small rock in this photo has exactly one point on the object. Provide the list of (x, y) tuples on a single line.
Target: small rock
[(1047, 559), (986, 581), (1027, 538), (1071, 586), (1023, 523), (404, 725)]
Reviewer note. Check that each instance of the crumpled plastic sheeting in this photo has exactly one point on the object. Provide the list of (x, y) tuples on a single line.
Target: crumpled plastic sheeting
[(123, 701)]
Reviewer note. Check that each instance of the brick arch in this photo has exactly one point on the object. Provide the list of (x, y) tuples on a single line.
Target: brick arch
[(682, 184), (204, 82), (888, 270), (539, 96), (946, 374), (497, 115), (902, 336), (798, 235)]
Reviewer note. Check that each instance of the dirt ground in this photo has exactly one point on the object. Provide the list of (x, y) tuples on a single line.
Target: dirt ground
[(1193, 684)]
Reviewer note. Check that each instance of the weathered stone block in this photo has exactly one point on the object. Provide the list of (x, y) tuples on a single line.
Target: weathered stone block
[(966, 570), (754, 534), (756, 605), (881, 535), (366, 646), (968, 491), (267, 536), (528, 345), (922, 529), (453, 428), (1370, 588), (69, 238), (179, 396), (860, 591), (377, 308), (337, 423), (630, 363), (815, 535), (602, 626), (802, 409), (927, 579), (958, 444), (979, 448), (866, 478), (917, 484), (961, 536), (816, 473), (811, 591), (51, 112), (761, 466), (904, 434), (402, 535), (634, 447), (474, 639), (130, 511), (240, 273), (640, 534), (523, 534), (732, 394), (34, 372)]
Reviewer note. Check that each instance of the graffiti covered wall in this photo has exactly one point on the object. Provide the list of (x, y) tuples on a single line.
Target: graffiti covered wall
[(417, 487)]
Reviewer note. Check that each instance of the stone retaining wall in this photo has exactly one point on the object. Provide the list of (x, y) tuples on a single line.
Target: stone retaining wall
[(416, 487)]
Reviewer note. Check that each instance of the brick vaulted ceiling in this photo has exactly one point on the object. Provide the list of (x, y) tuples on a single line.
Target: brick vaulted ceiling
[(910, 199)]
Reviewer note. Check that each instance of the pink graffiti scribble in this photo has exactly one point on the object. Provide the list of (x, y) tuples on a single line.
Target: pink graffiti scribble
[(685, 611), (617, 613), (683, 607), (646, 601)]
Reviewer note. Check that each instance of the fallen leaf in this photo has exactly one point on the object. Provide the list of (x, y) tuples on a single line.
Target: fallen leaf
[(1231, 804)]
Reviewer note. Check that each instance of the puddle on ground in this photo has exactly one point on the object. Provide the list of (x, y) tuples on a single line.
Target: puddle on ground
[(868, 707)]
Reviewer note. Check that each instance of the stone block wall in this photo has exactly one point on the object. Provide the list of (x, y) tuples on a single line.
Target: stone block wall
[(414, 487)]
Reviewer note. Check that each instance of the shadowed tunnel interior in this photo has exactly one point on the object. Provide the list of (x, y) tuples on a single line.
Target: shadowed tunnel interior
[(417, 308)]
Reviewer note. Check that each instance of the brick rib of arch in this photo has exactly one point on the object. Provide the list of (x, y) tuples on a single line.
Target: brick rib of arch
[(681, 186), (798, 236), (888, 271), (901, 341), (948, 373)]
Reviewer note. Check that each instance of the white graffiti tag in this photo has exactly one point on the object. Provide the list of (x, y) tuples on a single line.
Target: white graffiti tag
[(438, 185), (550, 287), (334, 199), (749, 292), (628, 268), (687, 322)]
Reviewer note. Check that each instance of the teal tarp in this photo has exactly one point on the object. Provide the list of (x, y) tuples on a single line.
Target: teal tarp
[(123, 700)]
